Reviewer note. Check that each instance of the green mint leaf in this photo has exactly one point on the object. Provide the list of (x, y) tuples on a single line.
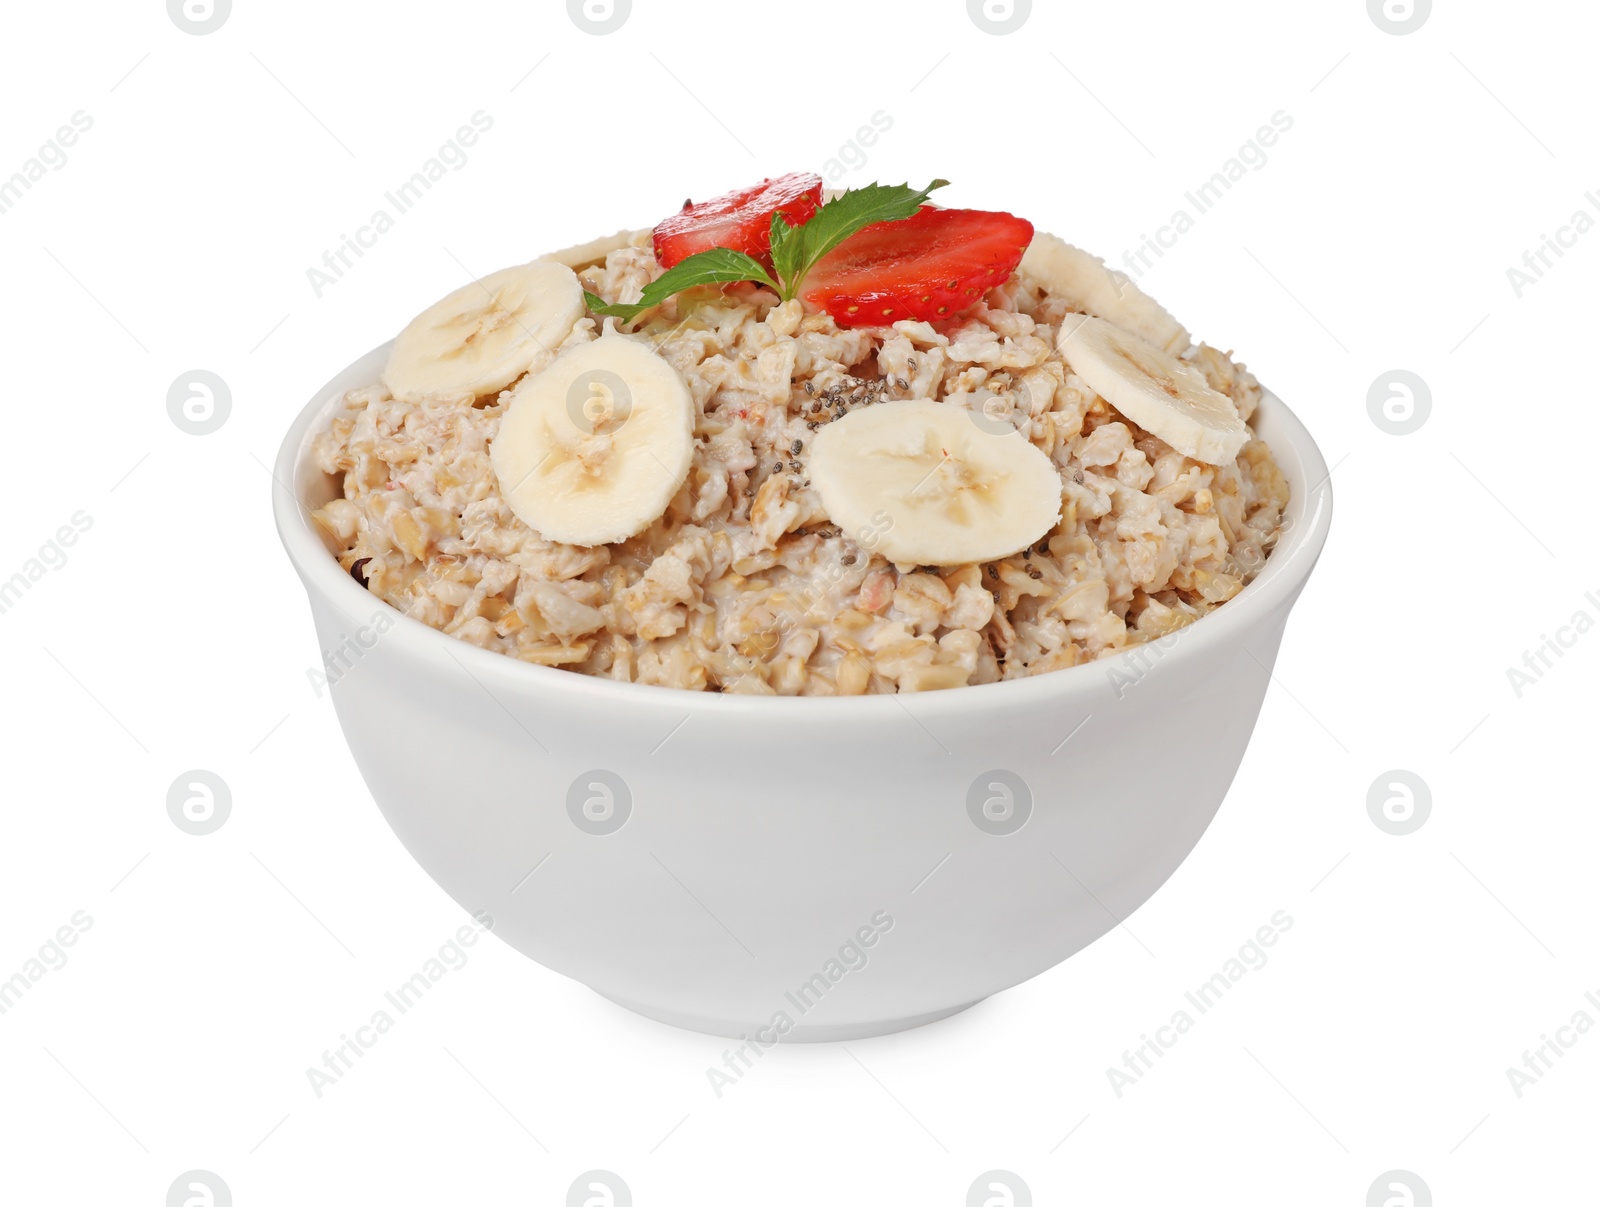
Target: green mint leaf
[(795, 249), (836, 221), (788, 244), (598, 305), (718, 265)]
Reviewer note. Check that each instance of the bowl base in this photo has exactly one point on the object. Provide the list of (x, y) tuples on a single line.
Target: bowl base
[(801, 1033)]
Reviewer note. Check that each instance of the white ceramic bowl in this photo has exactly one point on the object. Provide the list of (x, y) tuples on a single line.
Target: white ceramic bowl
[(802, 869)]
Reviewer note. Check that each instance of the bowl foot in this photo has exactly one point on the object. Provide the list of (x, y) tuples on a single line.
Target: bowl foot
[(802, 1033)]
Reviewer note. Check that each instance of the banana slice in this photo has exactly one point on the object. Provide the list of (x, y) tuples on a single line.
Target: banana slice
[(585, 254), (485, 335), (1085, 283), (1160, 393), (924, 483), (592, 449)]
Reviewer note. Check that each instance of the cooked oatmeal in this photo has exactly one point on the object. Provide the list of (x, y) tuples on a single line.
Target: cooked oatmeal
[(744, 584)]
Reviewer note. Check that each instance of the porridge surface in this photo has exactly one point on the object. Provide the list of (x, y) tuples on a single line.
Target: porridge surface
[(745, 584)]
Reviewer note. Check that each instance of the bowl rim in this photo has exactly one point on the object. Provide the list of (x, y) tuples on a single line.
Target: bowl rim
[(1290, 563)]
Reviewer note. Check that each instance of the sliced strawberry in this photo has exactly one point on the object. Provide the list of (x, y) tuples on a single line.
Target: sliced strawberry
[(930, 266), (741, 221)]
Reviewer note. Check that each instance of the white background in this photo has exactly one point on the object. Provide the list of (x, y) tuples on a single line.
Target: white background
[(1378, 235)]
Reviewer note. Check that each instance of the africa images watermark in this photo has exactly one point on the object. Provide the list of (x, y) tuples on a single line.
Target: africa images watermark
[(1129, 671), (1538, 260), (52, 555), (1540, 1060), (342, 658), (451, 957), (1251, 157), (851, 957), (1537, 662), (52, 957), (50, 157), (1252, 957), (853, 153), (450, 157)]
